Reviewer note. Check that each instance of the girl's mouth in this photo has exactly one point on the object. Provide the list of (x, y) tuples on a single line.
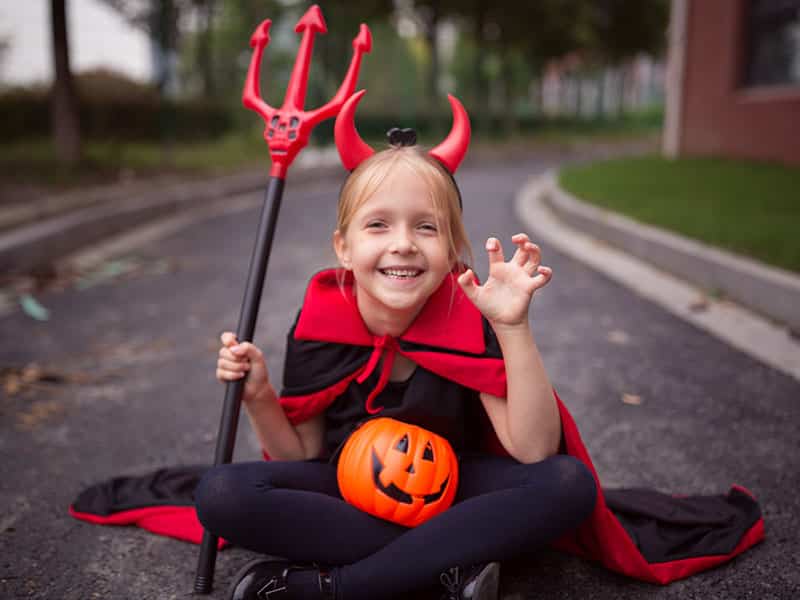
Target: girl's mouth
[(398, 273)]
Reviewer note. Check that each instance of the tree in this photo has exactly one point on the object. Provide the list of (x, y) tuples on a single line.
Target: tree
[(624, 28), (511, 41), (204, 49), (64, 104), (161, 19), (4, 47)]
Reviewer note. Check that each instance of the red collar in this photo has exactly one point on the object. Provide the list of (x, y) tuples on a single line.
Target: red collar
[(448, 320)]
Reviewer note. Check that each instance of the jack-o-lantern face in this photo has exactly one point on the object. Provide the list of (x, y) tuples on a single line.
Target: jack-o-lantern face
[(397, 471)]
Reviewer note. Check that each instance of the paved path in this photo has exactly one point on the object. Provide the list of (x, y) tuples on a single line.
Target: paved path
[(140, 352)]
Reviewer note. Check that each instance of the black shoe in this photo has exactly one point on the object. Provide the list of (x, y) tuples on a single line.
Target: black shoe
[(261, 579), (268, 579), (479, 582)]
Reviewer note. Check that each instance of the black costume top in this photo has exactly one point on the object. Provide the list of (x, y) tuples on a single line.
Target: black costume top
[(641, 533), (424, 399)]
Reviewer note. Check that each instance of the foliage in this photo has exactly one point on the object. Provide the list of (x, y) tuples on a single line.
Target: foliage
[(622, 29), (502, 46), (113, 107)]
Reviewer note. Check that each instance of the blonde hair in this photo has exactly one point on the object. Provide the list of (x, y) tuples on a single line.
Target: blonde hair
[(365, 180)]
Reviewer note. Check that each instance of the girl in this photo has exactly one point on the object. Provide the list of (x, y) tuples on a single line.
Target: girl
[(380, 336)]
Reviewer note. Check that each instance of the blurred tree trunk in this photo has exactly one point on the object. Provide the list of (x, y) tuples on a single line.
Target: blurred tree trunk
[(432, 39), (164, 28), (483, 118), (204, 50), (64, 103), (510, 121)]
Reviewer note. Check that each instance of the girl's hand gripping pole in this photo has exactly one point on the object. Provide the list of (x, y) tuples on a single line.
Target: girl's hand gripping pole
[(287, 132)]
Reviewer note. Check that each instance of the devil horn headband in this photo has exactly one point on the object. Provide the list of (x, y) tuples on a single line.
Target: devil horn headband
[(353, 150)]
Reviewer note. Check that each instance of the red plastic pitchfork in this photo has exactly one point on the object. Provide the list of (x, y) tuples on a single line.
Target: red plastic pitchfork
[(286, 132)]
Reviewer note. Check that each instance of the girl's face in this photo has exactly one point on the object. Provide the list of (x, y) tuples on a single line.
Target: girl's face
[(397, 252)]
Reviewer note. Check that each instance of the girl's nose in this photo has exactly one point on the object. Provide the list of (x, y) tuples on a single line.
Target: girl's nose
[(403, 244)]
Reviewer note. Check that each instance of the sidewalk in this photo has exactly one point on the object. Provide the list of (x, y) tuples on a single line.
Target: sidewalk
[(694, 281), (750, 305), (34, 234)]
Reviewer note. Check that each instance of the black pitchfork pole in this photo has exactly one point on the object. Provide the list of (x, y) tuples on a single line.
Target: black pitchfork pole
[(287, 132)]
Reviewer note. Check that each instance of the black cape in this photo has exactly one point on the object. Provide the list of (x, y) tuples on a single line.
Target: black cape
[(645, 534)]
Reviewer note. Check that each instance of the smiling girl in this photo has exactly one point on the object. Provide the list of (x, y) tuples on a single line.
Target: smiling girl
[(402, 329)]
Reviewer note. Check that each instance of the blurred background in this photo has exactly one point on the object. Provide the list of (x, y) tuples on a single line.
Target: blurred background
[(105, 91), (109, 83), (111, 91)]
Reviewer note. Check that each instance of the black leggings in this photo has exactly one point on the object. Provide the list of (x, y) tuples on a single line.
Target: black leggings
[(294, 510)]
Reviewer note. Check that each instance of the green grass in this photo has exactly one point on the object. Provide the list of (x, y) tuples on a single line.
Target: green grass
[(750, 208)]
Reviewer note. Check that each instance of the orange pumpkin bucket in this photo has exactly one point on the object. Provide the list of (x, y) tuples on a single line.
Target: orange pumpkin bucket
[(398, 472)]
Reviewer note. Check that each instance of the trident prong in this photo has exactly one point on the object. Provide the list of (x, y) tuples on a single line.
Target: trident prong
[(288, 129), (252, 94)]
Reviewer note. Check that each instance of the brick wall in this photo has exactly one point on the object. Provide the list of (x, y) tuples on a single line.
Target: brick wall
[(720, 116)]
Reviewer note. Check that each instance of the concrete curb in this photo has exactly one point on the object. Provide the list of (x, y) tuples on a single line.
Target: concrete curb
[(743, 329), (770, 291), (28, 247)]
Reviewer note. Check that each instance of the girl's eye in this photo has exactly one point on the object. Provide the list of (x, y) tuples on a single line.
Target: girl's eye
[(375, 224), (428, 227)]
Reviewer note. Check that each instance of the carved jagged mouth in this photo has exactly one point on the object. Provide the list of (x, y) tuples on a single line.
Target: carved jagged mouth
[(394, 492)]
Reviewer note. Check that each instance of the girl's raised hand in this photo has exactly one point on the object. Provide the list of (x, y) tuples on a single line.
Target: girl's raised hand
[(507, 293), (237, 360)]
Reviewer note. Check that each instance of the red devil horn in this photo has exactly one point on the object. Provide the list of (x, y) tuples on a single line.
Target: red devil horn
[(452, 150), (352, 149)]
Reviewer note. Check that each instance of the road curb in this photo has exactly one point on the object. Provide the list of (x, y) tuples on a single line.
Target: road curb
[(770, 291), (29, 247), (742, 328)]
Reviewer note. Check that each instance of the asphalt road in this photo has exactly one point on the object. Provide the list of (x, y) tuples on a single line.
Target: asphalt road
[(135, 357)]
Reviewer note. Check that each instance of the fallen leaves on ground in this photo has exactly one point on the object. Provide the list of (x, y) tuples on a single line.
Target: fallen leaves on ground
[(14, 379), (632, 399)]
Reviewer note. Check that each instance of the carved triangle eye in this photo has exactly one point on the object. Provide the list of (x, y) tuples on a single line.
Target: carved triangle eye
[(427, 454), (402, 445)]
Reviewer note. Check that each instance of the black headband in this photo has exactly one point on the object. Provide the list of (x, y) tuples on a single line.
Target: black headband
[(408, 137)]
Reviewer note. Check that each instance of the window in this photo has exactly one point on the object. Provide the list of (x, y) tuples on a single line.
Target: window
[(773, 53)]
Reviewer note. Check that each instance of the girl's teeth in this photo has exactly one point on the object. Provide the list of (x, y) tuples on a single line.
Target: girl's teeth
[(400, 273)]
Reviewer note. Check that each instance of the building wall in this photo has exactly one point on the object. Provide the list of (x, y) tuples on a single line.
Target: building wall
[(719, 115)]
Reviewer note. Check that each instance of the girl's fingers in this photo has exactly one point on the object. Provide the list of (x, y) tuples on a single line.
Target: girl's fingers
[(534, 258), (495, 250), (240, 351), (521, 256), (520, 238), (229, 375), (229, 365), (528, 255), (227, 354), (245, 350), (543, 277), (534, 252), (467, 282), (228, 338)]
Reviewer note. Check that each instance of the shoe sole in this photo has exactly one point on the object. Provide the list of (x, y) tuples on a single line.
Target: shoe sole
[(487, 583), (242, 572)]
